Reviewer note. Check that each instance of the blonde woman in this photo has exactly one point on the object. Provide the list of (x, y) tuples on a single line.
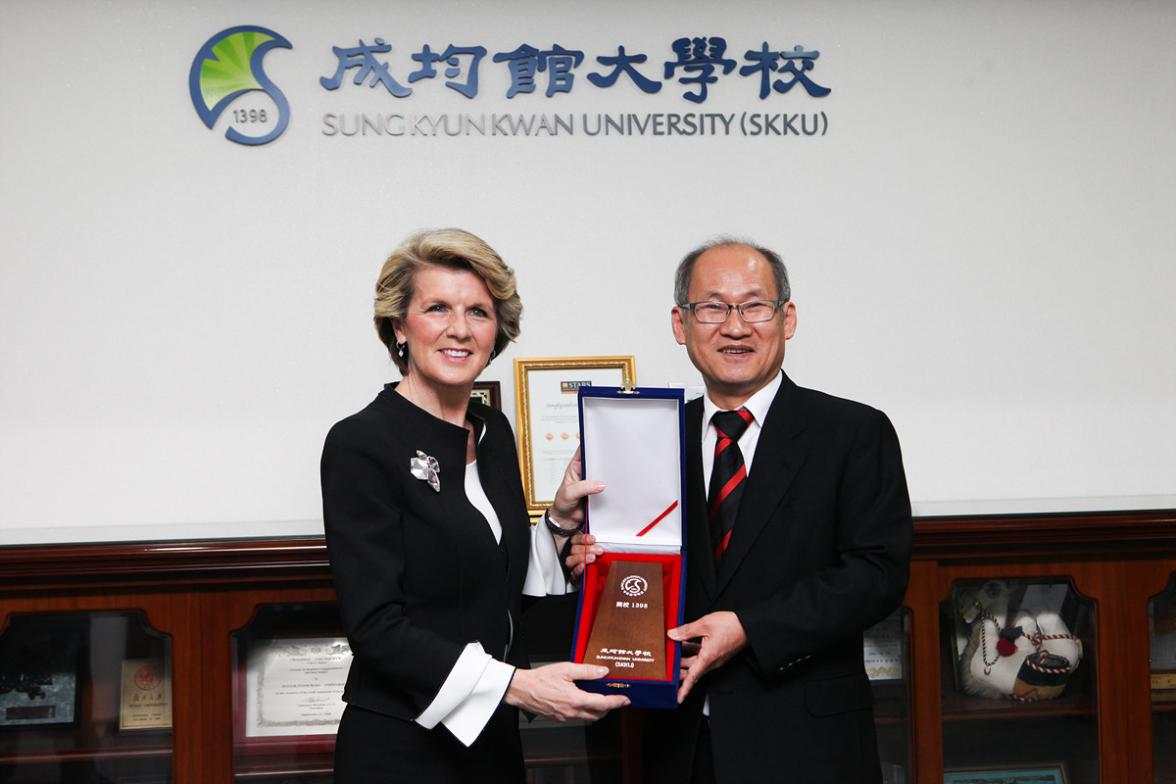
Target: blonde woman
[(429, 540)]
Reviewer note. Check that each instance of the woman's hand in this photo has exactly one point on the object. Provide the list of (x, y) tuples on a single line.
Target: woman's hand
[(583, 552), (567, 510), (550, 691)]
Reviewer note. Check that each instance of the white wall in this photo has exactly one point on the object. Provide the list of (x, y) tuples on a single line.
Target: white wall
[(981, 245)]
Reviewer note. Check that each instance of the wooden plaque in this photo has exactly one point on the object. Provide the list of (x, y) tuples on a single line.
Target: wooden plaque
[(629, 634), (146, 695)]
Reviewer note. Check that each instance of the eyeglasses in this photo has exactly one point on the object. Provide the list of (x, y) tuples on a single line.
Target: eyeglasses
[(753, 312)]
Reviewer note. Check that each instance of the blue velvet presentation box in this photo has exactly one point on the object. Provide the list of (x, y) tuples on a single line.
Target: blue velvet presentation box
[(633, 440)]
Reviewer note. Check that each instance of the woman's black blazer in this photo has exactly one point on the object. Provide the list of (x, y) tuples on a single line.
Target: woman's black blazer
[(417, 572)]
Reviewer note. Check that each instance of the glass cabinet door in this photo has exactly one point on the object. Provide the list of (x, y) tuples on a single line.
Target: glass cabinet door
[(290, 663), (289, 667), (886, 653), (1019, 669), (1161, 613), (85, 697)]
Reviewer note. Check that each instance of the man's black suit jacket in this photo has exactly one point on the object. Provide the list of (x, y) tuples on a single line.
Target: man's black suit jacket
[(820, 551)]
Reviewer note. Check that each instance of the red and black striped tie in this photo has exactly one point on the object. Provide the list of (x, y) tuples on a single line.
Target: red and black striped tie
[(727, 476)]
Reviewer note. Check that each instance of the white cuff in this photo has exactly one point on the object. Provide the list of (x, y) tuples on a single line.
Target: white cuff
[(470, 694), (469, 718), (545, 576)]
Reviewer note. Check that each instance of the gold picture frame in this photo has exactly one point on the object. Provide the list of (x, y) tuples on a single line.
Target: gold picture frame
[(488, 392), (548, 421)]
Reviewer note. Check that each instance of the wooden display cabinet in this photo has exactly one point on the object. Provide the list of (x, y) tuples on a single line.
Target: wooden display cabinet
[(201, 599), (1116, 561), (61, 698)]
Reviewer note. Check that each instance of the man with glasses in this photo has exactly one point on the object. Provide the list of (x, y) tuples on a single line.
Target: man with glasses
[(799, 536)]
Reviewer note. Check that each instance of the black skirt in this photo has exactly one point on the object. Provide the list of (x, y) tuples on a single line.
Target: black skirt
[(372, 748)]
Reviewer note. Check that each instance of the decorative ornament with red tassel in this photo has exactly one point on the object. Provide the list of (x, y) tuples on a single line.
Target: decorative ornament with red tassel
[(1007, 644)]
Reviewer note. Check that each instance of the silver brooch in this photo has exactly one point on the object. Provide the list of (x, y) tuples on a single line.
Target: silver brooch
[(427, 468)]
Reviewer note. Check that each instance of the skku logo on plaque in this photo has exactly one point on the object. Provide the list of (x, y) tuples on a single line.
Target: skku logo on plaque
[(228, 73), (634, 585)]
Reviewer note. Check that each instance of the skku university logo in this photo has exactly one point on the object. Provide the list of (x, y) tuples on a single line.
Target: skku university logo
[(634, 585), (230, 66)]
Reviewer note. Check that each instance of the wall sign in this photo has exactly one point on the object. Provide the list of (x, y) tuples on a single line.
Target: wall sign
[(229, 65)]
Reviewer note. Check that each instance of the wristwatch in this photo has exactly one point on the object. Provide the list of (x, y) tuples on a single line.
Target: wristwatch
[(560, 530)]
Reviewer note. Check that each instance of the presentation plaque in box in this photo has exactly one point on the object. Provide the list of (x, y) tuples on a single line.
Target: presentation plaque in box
[(632, 440), (146, 695), (628, 634)]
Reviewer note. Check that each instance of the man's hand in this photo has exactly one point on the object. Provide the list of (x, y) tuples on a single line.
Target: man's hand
[(550, 691), (720, 636)]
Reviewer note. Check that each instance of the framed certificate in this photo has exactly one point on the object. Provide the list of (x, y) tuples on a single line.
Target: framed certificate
[(547, 415), (294, 686), (1038, 774), (882, 649)]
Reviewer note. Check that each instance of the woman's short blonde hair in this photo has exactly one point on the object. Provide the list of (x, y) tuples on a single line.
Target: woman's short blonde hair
[(455, 249)]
